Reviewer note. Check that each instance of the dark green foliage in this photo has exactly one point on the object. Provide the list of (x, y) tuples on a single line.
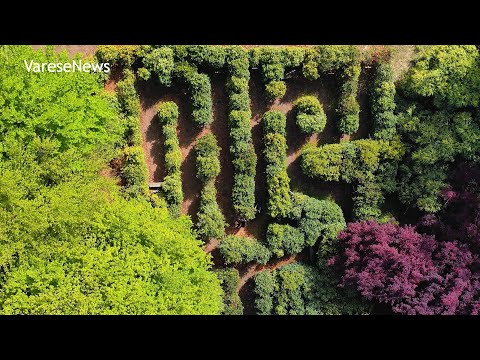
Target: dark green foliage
[(348, 109), (383, 102), (211, 222), (200, 92), (239, 249), (447, 74), (230, 280), (242, 151), (284, 239), (207, 157), (309, 114), (172, 184), (160, 62), (318, 220), (434, 141), (210, 56), (278, 182), (298, 289), (264, 290)]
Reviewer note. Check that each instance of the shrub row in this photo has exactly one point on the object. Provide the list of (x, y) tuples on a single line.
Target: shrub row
[(172, 184), (242, 151), (383, 102), (278, 182), (200, 90), (370, 164), (210, 57), (211, 222), (273, 61), (123, 55), (230, 280), (160, 62), (239, 249), (348, 109), (309, 115), (134, 169)]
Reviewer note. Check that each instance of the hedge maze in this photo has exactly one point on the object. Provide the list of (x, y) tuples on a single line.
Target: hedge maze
[(295, 221)]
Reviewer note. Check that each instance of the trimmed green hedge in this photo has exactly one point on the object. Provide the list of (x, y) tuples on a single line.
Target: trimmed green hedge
[(207, 158), (273, 61), (242, 151), (200, 91), (348, 108), (160, 62), (230, 280), (172, 184), (383, 102), (278, 182), (211, 222), (239, 249), (309, 114)]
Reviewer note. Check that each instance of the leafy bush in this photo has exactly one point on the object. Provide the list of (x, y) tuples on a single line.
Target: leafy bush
[(324, 162), (211, 222), (429, 269), (309, 114), (160, 62), (310, 65), (383, 102), (211, 56), (172, 185), (127, 94), (298, 289), (318, 220), (348, 109), (239, 249), (447, 74), (275, 90), (143, 73), (123, 55), (274, 122), (284, 239), (242, 151), (230, 280), (336, 57), (200, 91), (207, 157), (134, 171), (264, 290), (278, 182)]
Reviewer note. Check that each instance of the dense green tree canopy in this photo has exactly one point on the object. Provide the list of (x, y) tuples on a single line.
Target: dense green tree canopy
[(70, 242)]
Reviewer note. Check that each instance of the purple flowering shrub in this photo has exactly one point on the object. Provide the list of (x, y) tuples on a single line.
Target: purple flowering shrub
[(433, 268)]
